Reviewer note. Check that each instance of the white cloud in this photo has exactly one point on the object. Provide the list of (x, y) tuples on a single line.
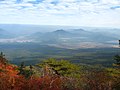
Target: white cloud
[(63, 12)]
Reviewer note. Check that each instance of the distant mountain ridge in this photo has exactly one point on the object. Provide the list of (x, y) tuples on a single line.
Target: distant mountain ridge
[(74, 37), (61, 31), (5, 34)]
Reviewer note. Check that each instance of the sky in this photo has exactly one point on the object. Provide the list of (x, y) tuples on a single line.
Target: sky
[(93, 13)]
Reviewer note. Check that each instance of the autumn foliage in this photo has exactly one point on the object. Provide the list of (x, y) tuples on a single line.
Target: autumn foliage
[(11, 78)]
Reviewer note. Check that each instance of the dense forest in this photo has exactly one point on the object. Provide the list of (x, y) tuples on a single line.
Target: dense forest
[(52, 74)]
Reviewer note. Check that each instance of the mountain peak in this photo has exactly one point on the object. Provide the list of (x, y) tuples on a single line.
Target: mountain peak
[(79, 30), (1, 30), (60, 31)]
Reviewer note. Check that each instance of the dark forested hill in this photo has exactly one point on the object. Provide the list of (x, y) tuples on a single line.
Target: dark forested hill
[(33, 53)]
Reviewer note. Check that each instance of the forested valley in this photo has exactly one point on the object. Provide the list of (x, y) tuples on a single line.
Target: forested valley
[(52, 74)]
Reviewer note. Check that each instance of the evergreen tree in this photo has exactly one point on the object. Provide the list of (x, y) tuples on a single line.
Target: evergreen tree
[(61, 67), (25, 72), (3, 60), (117, 58), (21, 68)]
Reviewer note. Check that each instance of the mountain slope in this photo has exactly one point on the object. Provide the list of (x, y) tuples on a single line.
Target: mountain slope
[(5, 34)]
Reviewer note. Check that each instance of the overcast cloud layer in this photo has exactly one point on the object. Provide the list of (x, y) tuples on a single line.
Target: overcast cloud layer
[(61, 12)]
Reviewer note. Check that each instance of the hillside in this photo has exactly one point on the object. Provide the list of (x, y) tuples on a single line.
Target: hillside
[(61, 36), (33, 53), (55, 74), (76, 38), (5, 34)]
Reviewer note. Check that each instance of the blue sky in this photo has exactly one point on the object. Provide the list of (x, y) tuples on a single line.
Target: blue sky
[(98, 13)]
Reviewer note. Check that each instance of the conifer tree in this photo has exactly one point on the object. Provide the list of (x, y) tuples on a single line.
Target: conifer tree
[(3, 60), (117, 58)]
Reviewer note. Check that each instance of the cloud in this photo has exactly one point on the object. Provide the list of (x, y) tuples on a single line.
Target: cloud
[(115, 7), (61, 12)]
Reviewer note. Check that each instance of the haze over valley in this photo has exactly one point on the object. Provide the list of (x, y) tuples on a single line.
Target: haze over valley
[(34, 43), (60, 36)]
